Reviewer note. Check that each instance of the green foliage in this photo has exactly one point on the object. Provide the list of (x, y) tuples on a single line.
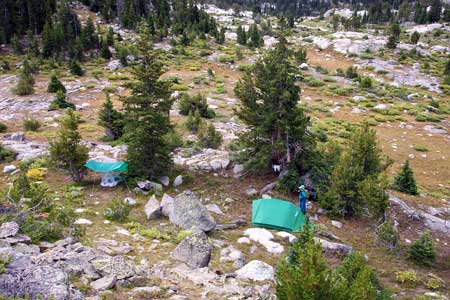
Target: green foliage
[(31, 124), (366, 82), (67, 150), (5, 259), (55, 85), (289, 182), (208, 137), (26, 81), (269, 99), (301, 56), (388, 235), (147, 115), (355, 181), (422, 251), (60, 102), (415, 37), (194, 121), (303, 274), (111, 119), (41, 230), (192, 104), (351, 73), (3, 127), (255, 39), (104, 50), (6, 154), (407, 278), (117, 210), (241, 35), (75, 68), (182, 235), (405, 182)]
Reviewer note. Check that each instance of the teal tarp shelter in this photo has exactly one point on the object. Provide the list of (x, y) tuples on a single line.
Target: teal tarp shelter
[(277, 214), (110, 171)]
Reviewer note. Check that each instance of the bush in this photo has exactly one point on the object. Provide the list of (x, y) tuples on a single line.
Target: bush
[(111, 119), (3, 127), (197, 102), (224, 58), (55, 85), (6, 155), (117, 210), (182, 235), (388, 235), (405, 182), (75, 68), (407, 278), (41, 230), (208, 137), (289, 183), (26, 80), (351, 73), (30, 124), (5, 259), (366, 82), (422, 251), (193, 122), (60, 102)]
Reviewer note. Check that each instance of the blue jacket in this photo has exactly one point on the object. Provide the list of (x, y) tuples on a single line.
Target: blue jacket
[(302, 196)]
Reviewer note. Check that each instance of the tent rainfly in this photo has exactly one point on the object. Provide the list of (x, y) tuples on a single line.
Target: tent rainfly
[(277, 214), (110, 170)]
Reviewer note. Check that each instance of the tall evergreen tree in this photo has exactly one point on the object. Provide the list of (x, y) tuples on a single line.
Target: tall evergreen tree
[(147, 111), (55, 85), (26, 80), (434, 14), (48, 40), (221, 36), (255, 39), (269, 107), (241, 35)]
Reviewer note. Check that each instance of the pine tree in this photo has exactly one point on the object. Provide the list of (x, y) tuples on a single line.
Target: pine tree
[(15, 43), (104, 50), (255, 39), (405, 181), (90, 39), (392, 42), (33, 47), (75, 68), (67, 150), (434, 14), (241, 35), (220, 39), (147, 111), (26, 81), (55, 85), (208, 136), (269, 98), (111, 119), (356, 174), (422, 251), (110, 37), (60, 102), (335, 22), (48, 41), (415, 37)]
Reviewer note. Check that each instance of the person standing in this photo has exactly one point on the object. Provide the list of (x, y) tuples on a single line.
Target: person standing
[(302, 195)]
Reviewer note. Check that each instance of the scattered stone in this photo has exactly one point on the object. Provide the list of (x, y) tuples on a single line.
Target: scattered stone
[(114, 65), (256, 270), (238, 169), (178, 181), (129, 201), (188, 212), (8, 229), (166, 205), (194, 250), (9, 169), (152, 208), (333, 248), (214, 208), (359, 98), (337, 224), (147, 290), (304, 66), (116, 265), (243, 240), (104, 283), (165, 181), (264, 237), (231, 254), (18, 137), (287, 235), (82, 221), (251, 192)]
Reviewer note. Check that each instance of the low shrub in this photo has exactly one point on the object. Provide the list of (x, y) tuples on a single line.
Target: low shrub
[(388, 235), (31, 124), (208, 137), (407, 278), (3, 127), (422, 251), (420, 148), (117, 210), (6, 154)]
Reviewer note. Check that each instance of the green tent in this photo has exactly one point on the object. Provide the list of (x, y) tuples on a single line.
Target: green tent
[(277, 214), (107, 167)]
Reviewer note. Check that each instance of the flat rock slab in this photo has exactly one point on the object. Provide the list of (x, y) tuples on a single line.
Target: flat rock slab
[(256, 270), (264, 237), (8, 229)]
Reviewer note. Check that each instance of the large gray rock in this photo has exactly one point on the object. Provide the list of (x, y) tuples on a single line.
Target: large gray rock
[(194, 250), (188, 212), (116, 265), (166, 205), (104, 283), (178, 181), (152, 208), (8, 229), (333, 248), (46, 281), (256, 270)]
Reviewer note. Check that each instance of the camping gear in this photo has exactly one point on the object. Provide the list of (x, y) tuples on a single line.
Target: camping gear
[(110, 170), (277, 214)]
